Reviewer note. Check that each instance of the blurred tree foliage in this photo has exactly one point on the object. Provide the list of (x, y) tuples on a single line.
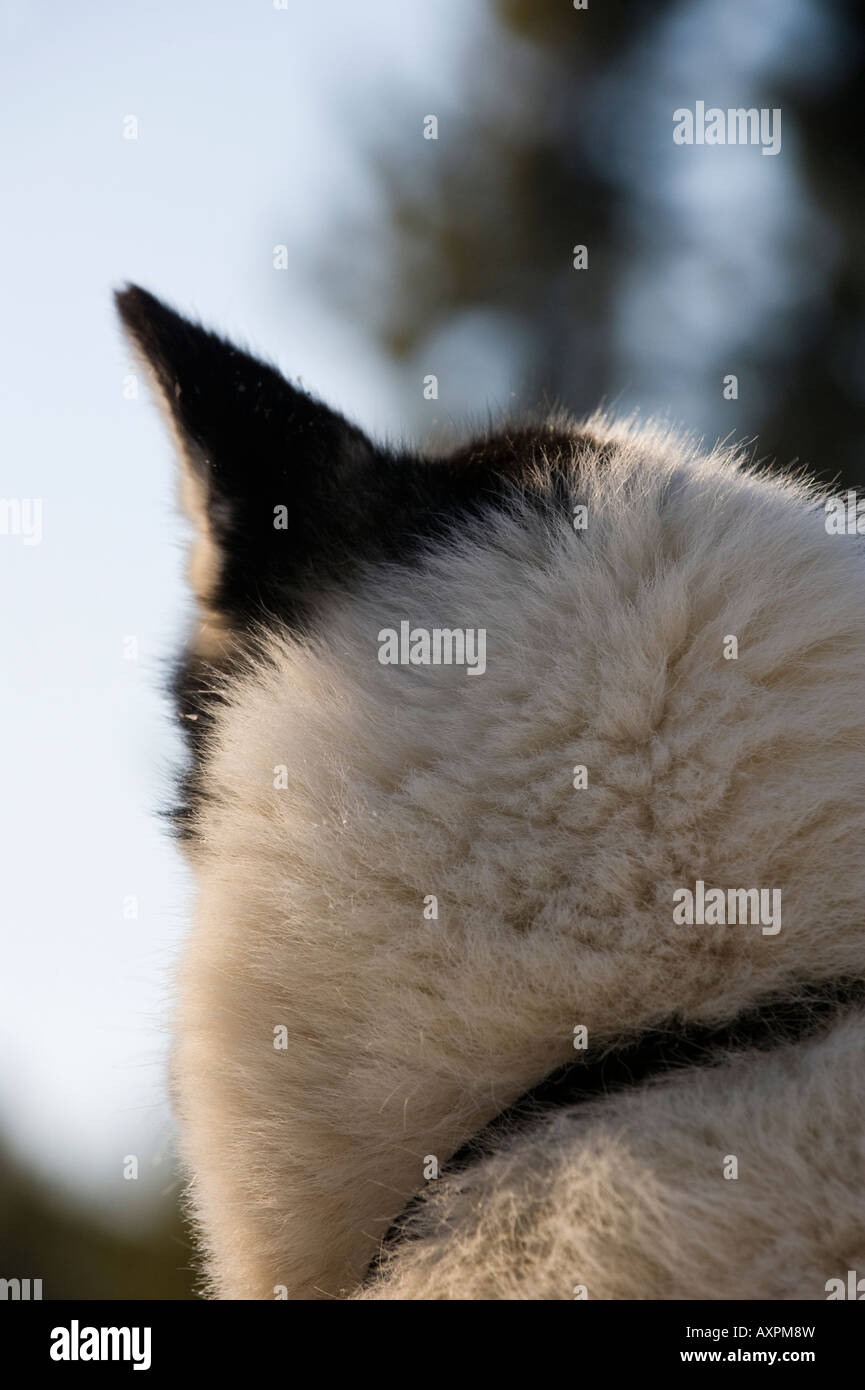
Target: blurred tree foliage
[(526, 171), (818, 410), (76, 1256), (513, 187)]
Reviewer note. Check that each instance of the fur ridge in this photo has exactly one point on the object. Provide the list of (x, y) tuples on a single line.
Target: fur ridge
[(626, 1198)]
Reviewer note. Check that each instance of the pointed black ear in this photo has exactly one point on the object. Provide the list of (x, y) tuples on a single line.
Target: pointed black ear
[(268, 472)]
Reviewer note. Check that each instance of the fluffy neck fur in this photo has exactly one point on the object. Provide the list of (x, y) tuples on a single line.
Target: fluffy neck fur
[(604, 648)]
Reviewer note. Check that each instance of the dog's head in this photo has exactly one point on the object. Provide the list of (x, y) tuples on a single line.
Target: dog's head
[(429, 881), (292, 504)]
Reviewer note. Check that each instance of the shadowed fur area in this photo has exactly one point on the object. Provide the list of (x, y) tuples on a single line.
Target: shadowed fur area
[(331, 1037), (624, 1199), (651, 1056)]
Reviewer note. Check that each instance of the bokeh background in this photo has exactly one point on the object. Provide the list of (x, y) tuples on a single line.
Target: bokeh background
[(300, 126)]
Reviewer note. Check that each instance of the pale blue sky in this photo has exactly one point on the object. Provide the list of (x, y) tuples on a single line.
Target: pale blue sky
[(250, 120)]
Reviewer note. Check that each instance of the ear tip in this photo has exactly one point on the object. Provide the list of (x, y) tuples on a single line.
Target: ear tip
[(147, 318), (132, 302)]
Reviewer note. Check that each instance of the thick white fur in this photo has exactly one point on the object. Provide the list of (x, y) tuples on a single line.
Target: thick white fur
[(405, 1035)]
